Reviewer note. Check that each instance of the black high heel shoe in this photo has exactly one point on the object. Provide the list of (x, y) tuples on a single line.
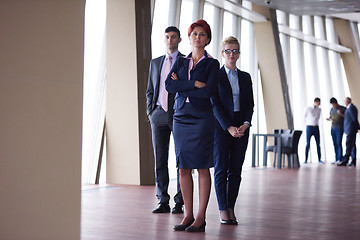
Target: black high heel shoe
[(192, 228), (182, 227)]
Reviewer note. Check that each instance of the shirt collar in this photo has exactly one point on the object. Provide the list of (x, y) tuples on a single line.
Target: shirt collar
[(229, 71), (173, 55)]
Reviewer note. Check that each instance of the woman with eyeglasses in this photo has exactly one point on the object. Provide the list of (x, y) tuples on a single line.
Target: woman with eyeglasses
[(194, 79), (233, 108)]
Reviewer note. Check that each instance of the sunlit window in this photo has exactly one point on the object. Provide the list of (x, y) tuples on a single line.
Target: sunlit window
[(94, 88), (245, 49), (346, 85), (228, 25), (209, 18), (185, 22), (160, 23), (310, 71)]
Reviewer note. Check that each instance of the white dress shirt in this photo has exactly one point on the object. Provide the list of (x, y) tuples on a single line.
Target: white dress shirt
[(312, 115)]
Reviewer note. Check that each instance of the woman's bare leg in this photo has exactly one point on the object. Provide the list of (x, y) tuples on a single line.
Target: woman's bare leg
[(204, 194), (187, 188)]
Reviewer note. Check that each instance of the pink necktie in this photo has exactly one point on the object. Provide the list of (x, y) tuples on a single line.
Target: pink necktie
[(163, 93)]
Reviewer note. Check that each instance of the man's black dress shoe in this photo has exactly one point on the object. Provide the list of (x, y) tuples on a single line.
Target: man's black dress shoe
[(225, 222), (196, 229), (352, 163), (182, 227), (342, 163), (234, 222), (177, 209), (162, 208)]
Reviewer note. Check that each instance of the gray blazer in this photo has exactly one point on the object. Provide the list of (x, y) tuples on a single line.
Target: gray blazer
[(152, 92)]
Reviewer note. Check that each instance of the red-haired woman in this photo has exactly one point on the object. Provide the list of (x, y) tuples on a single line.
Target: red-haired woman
[(194, 79)]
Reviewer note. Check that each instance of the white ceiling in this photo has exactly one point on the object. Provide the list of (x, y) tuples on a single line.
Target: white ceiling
[(316, 7)]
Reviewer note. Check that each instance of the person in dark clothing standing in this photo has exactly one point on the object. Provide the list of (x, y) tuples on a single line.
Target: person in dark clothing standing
[(233, 109), (337, 127), (160, 113), (351, 127)]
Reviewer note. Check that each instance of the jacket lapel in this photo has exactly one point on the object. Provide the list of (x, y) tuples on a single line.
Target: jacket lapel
[(227, 82)]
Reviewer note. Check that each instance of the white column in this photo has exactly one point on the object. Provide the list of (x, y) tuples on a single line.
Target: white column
[(217, 32), (198, 9), (334, 57), (174, 12), (298, 115), (313, 76), (325, 60)]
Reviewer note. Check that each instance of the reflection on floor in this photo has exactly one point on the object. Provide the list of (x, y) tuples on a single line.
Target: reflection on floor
[(314, 202)]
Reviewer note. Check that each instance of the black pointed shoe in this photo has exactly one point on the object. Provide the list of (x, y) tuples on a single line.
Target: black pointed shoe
[(196, 229), (182, 227), (162, 208)]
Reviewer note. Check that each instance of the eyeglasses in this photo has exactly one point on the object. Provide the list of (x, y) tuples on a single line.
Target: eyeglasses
[(229, 51)]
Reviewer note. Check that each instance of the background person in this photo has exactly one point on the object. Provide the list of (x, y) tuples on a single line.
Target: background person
[(312, 116), (351, 127), (337, 127)]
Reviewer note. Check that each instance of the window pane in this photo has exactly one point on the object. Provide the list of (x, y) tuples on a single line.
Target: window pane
[(245, 46), (209, 18), (160, 23), (94, 87), (228, 24), (185, 22)]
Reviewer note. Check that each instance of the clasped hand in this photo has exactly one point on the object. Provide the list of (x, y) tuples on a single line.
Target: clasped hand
[(237, 132), (198, 84)]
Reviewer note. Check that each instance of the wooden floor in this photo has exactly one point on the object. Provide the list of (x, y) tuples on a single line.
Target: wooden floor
[(314, 202)]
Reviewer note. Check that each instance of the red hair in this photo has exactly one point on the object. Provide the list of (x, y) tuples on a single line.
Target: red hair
[(200, 23)]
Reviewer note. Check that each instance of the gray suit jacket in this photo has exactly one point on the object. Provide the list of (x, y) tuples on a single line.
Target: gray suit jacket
[(152, 92)]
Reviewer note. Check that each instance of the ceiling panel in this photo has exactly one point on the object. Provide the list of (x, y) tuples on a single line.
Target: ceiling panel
[(313, 7)]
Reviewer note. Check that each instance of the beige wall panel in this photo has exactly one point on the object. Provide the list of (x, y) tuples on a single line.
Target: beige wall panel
[(42, 49), (270, 77), (351, 60), (122, 119)]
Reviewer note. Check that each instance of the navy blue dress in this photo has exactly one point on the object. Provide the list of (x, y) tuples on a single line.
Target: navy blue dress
[(194, 121)]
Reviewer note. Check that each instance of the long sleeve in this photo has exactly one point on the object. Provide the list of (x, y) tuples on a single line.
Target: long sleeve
[(219, 112), (249, 107), (182, 83), (211, 84), (149, 91)]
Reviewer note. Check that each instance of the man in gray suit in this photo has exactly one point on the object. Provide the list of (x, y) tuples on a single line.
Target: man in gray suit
[(160, 112)]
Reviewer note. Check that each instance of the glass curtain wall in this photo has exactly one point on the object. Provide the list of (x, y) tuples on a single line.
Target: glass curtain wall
[(209, 18), (313, 71), (185, 21), (94, 88), (159, 24)]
